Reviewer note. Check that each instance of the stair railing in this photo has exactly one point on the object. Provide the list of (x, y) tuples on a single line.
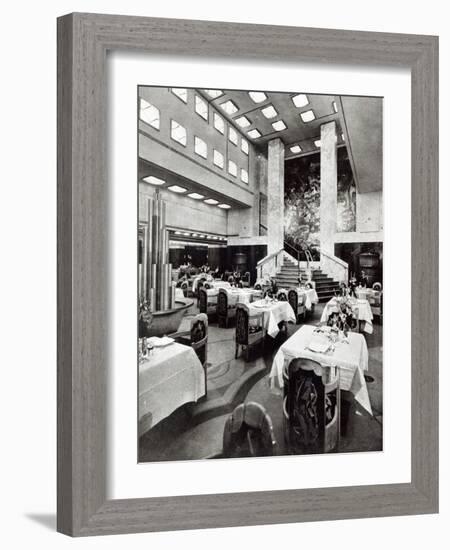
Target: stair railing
[(297, 254)]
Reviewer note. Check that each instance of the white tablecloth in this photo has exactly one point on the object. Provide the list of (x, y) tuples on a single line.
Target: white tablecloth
[(170, 377), (179, 294), (198, 278), (361, 305), (274, 313), (311, 295), (352, 358)]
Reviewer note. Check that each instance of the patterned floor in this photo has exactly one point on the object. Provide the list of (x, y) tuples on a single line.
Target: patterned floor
[(195, 431)]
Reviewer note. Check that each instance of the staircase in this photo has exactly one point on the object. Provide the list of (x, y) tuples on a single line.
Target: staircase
[(287, 277)]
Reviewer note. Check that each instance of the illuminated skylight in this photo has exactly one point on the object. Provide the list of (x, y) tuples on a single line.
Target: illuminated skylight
[(218, 158), (178, 132), (177, 189), (229, 107), (196, 196), (254, 134), (201, 107), (279, 125), (232, 168), (181, 93), (244, 146), (149, 113), (214, 93), (300, 100), (257, 97), (307, 116), (154, 180), (200, 147), (317, 142), (335, 106), (269, 112), (243, 121), (225, 207), (211, 201), (232, 135), (296, 149), (244, 175), (219, 124)]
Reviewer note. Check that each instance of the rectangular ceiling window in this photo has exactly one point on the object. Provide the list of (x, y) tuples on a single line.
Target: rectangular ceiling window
[(200, 147), (244, 175), (180, 93), (178, 132), (232, 135), (232, 168), (218, 158), (244, 146), (279, 126), (269, 112), (254, 134), (296, 149), (257, 97), (300, 100), (214, 93), (201, 107), (229, 107), (219, 124), (243, 122), (149, 113), (307, 116)]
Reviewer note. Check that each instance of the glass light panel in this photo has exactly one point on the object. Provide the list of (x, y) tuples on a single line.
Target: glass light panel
[(149, 113), (219, 124), (200, 147), (243, 122), (257, 97), (178, 132), (300, 100), (214, 93), (254, 133), (201, 107), (279, 125), (154, 180), (225, 207), (307, 116), (232, 168), (218, 158), (244, 146), (244, 175), (177, 189), (211, 201), (296, 149), (232, 135), (269, 112), (229, 107), (317, 142), (181, 93), (196, 196)]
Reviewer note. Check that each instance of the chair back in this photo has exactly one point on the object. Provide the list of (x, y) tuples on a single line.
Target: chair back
[(257, 287), (377, 286), (199, 336), (242, 324), (311, 407), (282, 295), (293, 299), (202, 300), (249, 432)]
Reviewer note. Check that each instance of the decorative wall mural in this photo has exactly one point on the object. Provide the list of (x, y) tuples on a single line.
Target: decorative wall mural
[(302, 201)]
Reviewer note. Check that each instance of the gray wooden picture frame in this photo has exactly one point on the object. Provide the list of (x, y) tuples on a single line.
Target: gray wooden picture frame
[(83, 42)]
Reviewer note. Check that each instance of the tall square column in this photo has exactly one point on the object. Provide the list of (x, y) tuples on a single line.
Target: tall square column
[(275, 196), (328, 186)]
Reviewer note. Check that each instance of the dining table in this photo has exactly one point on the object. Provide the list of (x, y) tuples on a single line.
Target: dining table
[(360, 306), (348, 353), (274, 312), (170, 376)]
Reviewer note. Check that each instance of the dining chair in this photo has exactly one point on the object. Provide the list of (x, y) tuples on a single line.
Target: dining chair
[(311, 407), (249, 432), (377, 286), (225, 310), (246, 279), (249, 330), (205, 305), (376, 304), (297, 303), (282, 295)]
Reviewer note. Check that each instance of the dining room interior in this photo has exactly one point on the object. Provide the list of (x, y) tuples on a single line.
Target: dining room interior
[(260, 273)]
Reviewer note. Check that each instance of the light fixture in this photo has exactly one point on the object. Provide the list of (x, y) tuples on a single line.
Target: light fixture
[(296, 149), (243, 121), (177, 189), (300, 100), (269, 112), (211, 201), (224, 206), (317, 142), (177, 232), (186, 234), (335, 106), (194, 235), (229, 107), (257, 97), (153, 180), (307, 116), (196, 196), (279, 126), (214, 93), (342, 137), (254, 133)]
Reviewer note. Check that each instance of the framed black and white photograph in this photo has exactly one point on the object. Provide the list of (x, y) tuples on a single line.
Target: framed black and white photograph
[(245, 335)]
